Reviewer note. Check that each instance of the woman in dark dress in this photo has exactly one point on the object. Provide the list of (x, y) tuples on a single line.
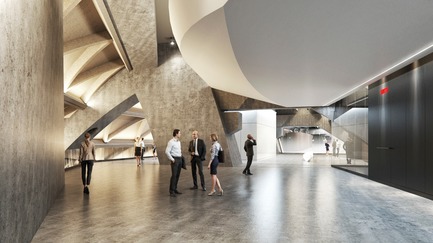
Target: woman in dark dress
[(137, 152), (213, 165)]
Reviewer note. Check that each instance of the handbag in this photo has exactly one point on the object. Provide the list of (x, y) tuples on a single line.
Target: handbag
[(183, 163), (221, 155)]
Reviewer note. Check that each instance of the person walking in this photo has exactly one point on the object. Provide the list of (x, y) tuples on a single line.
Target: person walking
[(137, 150), (197, 149), (248, 147), (213, 165), (86, 158), (327, 147), (174, 154), (143, 148), (154, 151)]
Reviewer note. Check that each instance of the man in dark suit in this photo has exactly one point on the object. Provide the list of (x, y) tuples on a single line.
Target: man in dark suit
[(197, 149), (248, 147)]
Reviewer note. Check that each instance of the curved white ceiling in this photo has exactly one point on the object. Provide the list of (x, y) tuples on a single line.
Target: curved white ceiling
[(302, 53), (201, 33)]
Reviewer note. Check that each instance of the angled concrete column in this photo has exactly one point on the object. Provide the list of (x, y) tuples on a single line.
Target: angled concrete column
[(172, 94), (232, 122)]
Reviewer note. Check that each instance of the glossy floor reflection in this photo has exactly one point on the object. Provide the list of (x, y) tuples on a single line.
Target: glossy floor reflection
[(286, 200)]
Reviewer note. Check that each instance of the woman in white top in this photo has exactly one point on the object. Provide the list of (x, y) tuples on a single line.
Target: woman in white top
[(86, 158), (213, 165)]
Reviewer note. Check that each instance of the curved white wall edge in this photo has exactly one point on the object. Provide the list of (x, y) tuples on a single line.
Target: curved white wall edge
[(202, 36), (184, 14)]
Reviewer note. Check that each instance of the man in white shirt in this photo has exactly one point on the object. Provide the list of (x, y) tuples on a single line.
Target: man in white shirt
[(174, 154), (142, 148)]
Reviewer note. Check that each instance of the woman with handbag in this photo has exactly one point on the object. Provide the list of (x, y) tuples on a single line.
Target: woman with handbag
[(86, 158), (137, 152), (213, 165)]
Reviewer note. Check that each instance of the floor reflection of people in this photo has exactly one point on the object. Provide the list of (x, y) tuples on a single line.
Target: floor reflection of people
[(348, 146), (338, 148), (334, 147)]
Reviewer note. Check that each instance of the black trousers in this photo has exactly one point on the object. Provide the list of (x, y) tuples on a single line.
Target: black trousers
[(249, 162), (89, 165), (175, 173), (142, 153), (197, 162)]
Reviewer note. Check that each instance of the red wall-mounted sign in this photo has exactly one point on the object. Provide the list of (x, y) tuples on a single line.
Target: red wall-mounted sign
[(384, 91)]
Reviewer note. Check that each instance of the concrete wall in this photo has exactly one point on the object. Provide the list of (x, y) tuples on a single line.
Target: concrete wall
[(304, 117), (262, 125), (31, 114), (172, 94), (297, 142)]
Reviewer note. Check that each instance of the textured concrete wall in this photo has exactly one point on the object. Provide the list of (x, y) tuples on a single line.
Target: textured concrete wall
[(31, 114), (232, 122), (172, 94)]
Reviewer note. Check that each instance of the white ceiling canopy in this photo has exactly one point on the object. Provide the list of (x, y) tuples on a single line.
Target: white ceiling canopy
[(300, 53)]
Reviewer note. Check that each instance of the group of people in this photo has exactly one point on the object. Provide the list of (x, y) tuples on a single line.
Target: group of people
[(196, 148), (140, 148), (336, 145), (347, 146)]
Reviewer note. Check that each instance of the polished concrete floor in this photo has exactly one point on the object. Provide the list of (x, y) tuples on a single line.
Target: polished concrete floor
[(286, 200)]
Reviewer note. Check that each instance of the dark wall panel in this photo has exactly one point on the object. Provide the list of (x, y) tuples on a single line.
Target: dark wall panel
[(396, 131), (378, 120), (427, 72), (373, 130), (401, 130), (415, 130)]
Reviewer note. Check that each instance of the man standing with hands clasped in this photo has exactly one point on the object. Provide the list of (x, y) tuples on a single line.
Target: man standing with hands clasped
[(248, 147), (174, 154), (197, 149)]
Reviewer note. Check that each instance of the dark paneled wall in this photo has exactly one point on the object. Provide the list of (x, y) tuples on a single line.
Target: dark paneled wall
[(401, 139), (428, 85)]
